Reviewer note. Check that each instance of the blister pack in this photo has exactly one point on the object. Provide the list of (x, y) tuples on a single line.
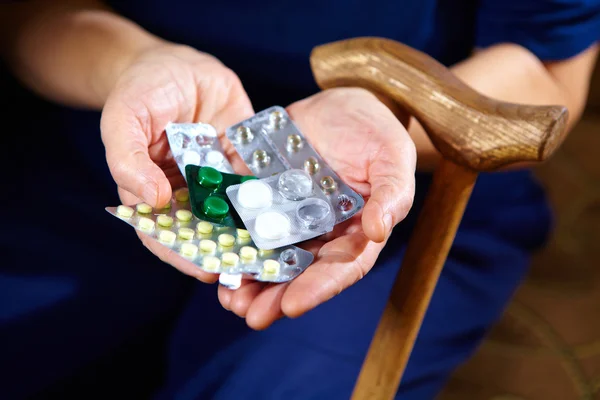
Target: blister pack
[(282, 209), (269, 143), (196, 144), (208, 198), (213, 248)]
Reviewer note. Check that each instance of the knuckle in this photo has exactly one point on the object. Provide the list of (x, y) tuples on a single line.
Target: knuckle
[(230, 78)]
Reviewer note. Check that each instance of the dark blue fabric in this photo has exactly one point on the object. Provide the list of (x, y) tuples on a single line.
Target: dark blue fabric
[(71, 302)]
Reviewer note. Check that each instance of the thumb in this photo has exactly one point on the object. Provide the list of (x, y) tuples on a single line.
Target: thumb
[(127, 156), (392, 194)]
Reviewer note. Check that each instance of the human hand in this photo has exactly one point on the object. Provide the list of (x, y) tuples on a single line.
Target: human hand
[(166, 83), (371, 151)]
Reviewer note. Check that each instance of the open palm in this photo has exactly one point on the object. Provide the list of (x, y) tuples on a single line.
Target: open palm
[(370, 150)]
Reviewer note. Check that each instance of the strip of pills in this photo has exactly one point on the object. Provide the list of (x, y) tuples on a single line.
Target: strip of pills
[(273, 132), (196, 144), (282, 209), (213, 248), (207, 195), (259, 154)]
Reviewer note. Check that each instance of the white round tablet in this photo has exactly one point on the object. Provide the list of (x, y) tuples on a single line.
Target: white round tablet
[(272, 225), (214, 158), (255, 194), (231, 281), (191, 157)]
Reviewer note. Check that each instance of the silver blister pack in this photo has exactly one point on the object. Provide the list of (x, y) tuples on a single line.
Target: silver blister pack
[(255, 148), (273, 132), (196, 144), (282, 209), (213, 248)]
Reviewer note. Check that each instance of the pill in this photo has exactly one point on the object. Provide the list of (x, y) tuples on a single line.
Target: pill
[(124, 211), (244, 135), (230, 259), (231, 281), (271, 267), (167, 206), (208, 246), (276, 119), (328, 184), (311, 165), (182, 195), (209, 177), (243, 241), (255, 194), (167, 237), (272, 225), (189, 250), (242, 233), (248, 253), (190, 158), (346, 203), (226, 240), (247, 178), (214, 157), (204, 227), (295, 184), (186, 233), (294, 143), (264, 253), (164, 220), (146, 224), (260, 158), (183, 215), (215, 207), (143, 208), (211, 263)]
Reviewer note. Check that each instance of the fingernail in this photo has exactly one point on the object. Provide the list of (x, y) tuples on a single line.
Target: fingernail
[(150, 194), (387, 222)]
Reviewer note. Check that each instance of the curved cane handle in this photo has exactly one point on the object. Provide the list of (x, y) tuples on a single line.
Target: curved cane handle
[(466, 127)]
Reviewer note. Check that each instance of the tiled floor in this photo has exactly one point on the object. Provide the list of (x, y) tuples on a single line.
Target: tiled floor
[(547, 345)]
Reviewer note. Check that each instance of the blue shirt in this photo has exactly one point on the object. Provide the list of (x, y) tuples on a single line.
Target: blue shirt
[(66, 300)]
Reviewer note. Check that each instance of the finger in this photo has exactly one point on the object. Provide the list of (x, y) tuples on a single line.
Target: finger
[(313, 245), (227, 103), (266, 307), (242, 298), (127, 156), (340, 263), (231, 107), (392, 177), (225, 295), (168, 256), (128, 198)]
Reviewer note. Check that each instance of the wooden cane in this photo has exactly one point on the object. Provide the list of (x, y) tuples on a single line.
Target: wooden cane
[(473, 133)]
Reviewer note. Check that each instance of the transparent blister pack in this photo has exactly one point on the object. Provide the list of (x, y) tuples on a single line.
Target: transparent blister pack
[(274, 131), (213, 248), (196, 144), (282, 209)]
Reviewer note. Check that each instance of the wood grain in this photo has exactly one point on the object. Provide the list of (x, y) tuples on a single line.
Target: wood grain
[(465, 126), (415, 283), (472, 132)]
